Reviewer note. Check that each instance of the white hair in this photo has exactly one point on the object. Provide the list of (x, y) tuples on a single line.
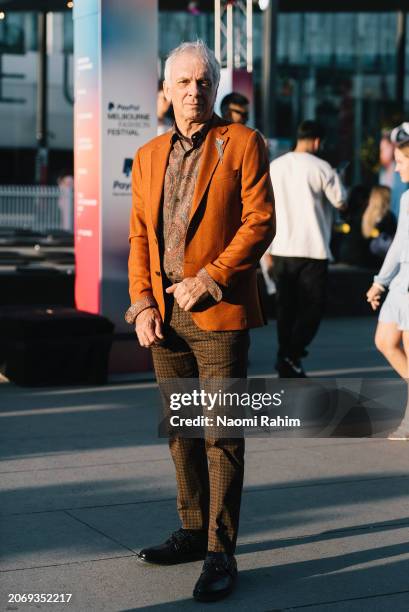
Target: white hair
[(200, 48)]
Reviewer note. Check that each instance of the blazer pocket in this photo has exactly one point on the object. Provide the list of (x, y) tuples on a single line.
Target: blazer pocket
[(223, 176)]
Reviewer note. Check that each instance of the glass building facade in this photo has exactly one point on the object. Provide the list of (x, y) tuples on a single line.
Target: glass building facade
[(337, 67)]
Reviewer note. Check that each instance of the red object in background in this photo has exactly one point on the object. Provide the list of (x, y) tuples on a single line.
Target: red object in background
[(87, 231)]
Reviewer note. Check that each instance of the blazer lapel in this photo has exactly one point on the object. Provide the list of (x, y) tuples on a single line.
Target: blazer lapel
[(212, 155), (159, 161)]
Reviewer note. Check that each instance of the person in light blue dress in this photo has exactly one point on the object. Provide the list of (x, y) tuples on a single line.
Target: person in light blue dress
[(392, 333)]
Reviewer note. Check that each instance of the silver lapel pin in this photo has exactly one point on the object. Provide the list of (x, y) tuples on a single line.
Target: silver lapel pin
[(219, 147)]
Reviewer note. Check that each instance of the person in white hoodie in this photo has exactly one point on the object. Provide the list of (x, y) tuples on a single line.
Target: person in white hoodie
[(306, 190)]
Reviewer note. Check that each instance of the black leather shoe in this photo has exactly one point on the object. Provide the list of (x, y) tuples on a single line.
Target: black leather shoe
[(183, 546), (217, 579), (290, 368)]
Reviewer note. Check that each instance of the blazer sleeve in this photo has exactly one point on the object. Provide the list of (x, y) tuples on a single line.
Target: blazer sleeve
[(140, 287), (257, 228)]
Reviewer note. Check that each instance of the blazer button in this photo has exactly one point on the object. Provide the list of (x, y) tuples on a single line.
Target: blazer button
[(157, 273)]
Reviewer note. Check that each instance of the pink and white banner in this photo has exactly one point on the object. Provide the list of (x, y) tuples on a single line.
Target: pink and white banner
[(115, 113)]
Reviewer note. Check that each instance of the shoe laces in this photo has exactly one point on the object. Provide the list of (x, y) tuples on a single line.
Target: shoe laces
[(181, 539), (220, 566)]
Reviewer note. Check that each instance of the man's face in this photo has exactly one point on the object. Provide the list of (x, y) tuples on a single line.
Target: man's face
[(190, 89), (238, 113)]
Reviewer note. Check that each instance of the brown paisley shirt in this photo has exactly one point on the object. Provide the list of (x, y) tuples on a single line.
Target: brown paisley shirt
[(179, 187)]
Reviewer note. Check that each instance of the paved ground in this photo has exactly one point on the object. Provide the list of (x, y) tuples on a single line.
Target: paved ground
[(85, 483)]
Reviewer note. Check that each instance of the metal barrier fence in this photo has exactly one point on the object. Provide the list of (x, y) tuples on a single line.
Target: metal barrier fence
[(36, 207)]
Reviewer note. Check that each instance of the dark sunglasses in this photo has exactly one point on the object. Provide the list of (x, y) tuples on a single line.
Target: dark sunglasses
[(243, 114)]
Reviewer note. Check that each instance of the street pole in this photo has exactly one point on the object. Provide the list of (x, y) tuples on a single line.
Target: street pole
[(400, 61), (269, 80), (42, 110), (358, 98)]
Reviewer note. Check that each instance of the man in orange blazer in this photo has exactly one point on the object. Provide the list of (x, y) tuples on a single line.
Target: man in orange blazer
[(202, 216)]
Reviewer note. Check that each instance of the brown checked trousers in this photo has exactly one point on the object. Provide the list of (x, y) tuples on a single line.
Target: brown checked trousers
[(209, 472)]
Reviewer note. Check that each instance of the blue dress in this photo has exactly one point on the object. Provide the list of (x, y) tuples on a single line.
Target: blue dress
[(395, 272)]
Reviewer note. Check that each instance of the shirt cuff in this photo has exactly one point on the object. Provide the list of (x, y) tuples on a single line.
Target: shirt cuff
[(135, 309), (211, 285)]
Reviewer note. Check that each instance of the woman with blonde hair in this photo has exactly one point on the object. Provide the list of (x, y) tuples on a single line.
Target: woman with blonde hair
[(378, 222), (392, 333)]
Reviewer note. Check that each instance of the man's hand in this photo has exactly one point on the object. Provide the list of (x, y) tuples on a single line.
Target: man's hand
[(189, 292), (373, 296), (149, 327)]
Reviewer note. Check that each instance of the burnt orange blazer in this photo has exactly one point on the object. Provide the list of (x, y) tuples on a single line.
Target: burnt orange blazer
[(232, 222)]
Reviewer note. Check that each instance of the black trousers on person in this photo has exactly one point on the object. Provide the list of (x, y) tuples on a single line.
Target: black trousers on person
[(301, 284)]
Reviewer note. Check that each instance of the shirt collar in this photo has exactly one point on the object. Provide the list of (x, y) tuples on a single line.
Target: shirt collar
[(197, 138)]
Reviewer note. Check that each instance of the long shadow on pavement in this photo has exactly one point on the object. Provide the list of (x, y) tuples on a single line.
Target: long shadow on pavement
[(331, 581)]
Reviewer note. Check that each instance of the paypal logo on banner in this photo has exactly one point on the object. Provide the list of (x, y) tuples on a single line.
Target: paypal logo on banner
[(123, 187), (127, 168)]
